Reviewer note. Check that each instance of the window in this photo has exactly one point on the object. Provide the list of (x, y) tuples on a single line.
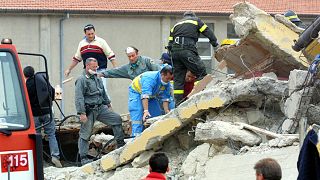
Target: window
[(231, 33), (12, 108), (205, 50)]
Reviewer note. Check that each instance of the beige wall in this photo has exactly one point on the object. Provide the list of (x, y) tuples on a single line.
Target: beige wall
[(40, 34)]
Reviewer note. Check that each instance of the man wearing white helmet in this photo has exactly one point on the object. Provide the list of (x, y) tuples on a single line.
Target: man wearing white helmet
[(136, 66)]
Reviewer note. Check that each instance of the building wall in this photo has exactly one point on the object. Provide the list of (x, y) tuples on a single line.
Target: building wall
[(40, 34)]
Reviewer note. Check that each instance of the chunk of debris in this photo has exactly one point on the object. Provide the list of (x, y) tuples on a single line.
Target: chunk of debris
[(219, 132), (269, 39)]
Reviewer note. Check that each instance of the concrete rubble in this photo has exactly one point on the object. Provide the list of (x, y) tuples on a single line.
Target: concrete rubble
[(219, 132), (269, 39), (235, 120)]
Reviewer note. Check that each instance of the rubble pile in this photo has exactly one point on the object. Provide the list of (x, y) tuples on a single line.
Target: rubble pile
[(231, 119), (208, 120)]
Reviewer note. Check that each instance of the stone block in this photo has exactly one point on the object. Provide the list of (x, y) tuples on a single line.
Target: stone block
[(286, 125), (88, 168), (111, 160), (142, 159), (219, 132), (291, 106), (198, 156), (157, 132), (296, 79)]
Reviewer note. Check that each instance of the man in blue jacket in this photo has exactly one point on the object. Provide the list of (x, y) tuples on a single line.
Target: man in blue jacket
[(144, 93)]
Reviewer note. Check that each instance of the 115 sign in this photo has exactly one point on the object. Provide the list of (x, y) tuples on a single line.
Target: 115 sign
[(16, 161)]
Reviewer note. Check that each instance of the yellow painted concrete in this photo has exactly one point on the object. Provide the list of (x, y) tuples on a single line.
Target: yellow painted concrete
[(280, 35), (87, 168), (312, 49), (213, 103), (188, 111), (108, 163), (158, 129)]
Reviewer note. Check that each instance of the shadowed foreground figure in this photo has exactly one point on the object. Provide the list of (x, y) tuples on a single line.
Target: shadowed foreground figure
[(159, 166), (268, 169)]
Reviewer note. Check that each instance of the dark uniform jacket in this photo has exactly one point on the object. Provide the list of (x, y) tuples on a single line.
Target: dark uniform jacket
[(190, 27), (89, 91), (33, 97)]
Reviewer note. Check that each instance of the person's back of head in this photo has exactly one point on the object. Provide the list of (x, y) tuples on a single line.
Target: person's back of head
[(189, 14), (268, 169), (28, 71), (159, 163), (165, 58)]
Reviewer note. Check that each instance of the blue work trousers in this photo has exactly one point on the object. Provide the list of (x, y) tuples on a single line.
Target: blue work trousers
[(136, 111)]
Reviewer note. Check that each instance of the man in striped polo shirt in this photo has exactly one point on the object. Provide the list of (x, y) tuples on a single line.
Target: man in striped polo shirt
[(93, 46)]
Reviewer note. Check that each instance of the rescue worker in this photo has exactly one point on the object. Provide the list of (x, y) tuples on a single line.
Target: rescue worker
[(96, 47), (190, 81), (93, 104), (143, 96), (41, 112), (293, 17), (165, 59), (137, 65), (182, 46)]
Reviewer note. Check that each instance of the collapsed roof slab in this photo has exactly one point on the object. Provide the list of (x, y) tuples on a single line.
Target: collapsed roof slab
[(265, 44)]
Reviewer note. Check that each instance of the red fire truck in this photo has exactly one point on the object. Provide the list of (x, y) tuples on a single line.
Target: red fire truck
[(20, 146)]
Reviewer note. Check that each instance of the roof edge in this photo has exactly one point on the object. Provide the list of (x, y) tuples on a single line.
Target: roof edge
[(123, 12)]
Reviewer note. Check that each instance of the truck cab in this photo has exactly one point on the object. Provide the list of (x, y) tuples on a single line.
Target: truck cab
[(20, 146)]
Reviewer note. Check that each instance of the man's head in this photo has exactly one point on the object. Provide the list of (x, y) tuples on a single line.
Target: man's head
[(190, 77), (293, 17), (268, 169), (132, 54), (159, 163), (28, 72), (165, 59), (189, 14), (166, 74), (89, 31), (91, 65)]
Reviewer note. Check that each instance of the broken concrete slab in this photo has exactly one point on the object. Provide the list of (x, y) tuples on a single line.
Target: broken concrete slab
[(142, 159), (156, 133), (241, 166), (291, 105), (296, 79), (219, 132), (111, 160), (270, 41), (130, 174), (283, 141), (271, 75), (196, 161)]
